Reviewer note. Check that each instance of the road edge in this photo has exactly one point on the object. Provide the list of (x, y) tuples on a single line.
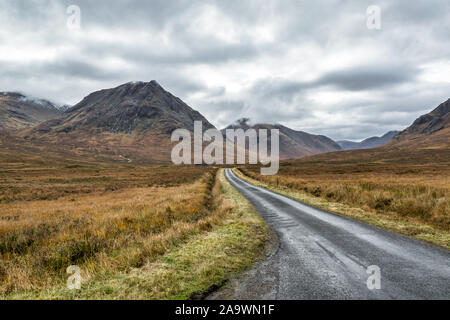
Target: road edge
[(424, 233)]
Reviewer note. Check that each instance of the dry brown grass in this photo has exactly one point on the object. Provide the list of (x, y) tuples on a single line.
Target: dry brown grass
[(111, 223), (53, 183), (137, 231), (228, 239), (136, 243), (413, 187)]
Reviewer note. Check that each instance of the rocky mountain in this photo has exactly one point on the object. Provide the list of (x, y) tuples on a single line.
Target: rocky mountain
[(368, 143), (131, 121), (426, 141), (431, 130), (18, 111), (293, 144)]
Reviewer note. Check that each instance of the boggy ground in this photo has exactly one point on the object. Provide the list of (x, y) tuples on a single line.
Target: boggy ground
[(148, 232)]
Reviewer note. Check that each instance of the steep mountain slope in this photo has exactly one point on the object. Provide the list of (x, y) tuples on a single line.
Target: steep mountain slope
[(368, 143), (293, 144), (18, 111), (431, 130), (132, 121)]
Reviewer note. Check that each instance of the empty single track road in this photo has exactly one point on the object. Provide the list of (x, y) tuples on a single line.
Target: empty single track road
[(326, 256)]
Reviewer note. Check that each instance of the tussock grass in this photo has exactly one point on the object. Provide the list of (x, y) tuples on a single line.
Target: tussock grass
[(52, 182), (144, 242)]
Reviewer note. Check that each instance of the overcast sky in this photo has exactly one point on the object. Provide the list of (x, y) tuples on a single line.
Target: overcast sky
[(310, 65)]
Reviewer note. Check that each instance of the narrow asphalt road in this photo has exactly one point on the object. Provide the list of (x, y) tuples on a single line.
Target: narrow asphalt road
[(325, 256)]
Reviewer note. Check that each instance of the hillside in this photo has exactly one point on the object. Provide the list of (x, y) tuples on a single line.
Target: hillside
[(133, 121), (17, 111), (368, 143), (427, 140), (293, 144), (431, 130)]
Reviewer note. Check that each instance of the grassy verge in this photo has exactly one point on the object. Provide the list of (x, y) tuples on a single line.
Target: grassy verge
[(393, 222), (229, 239)]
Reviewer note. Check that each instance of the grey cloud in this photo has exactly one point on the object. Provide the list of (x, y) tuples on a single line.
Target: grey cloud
[(70, 68), (77, 69), (223, 111), (368, 78), (354, 79), (209, 52), (385, 92), (279, 89)]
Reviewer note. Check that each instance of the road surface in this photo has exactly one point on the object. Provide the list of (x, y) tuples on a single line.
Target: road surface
[(326, 256)]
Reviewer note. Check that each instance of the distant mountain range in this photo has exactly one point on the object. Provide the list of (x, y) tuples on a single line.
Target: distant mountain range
[(293, 144), (427, 140), (368, 143), (135, 121), (429, 131)]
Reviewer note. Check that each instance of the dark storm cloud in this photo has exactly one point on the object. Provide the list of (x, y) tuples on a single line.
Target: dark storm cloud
[(77, 69), (312, 65), (352, 79), (367, 78), (67, 68)]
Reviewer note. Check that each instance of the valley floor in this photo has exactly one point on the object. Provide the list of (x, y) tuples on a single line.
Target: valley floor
[(135, 233), (165, 232)]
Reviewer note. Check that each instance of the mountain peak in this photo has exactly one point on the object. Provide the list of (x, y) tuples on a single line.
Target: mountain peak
[(18, 111), (442, 109), (134, 107), (16, 95), (134, 119), (241, 123), (293, 144), (25, 98), (152, 83)]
